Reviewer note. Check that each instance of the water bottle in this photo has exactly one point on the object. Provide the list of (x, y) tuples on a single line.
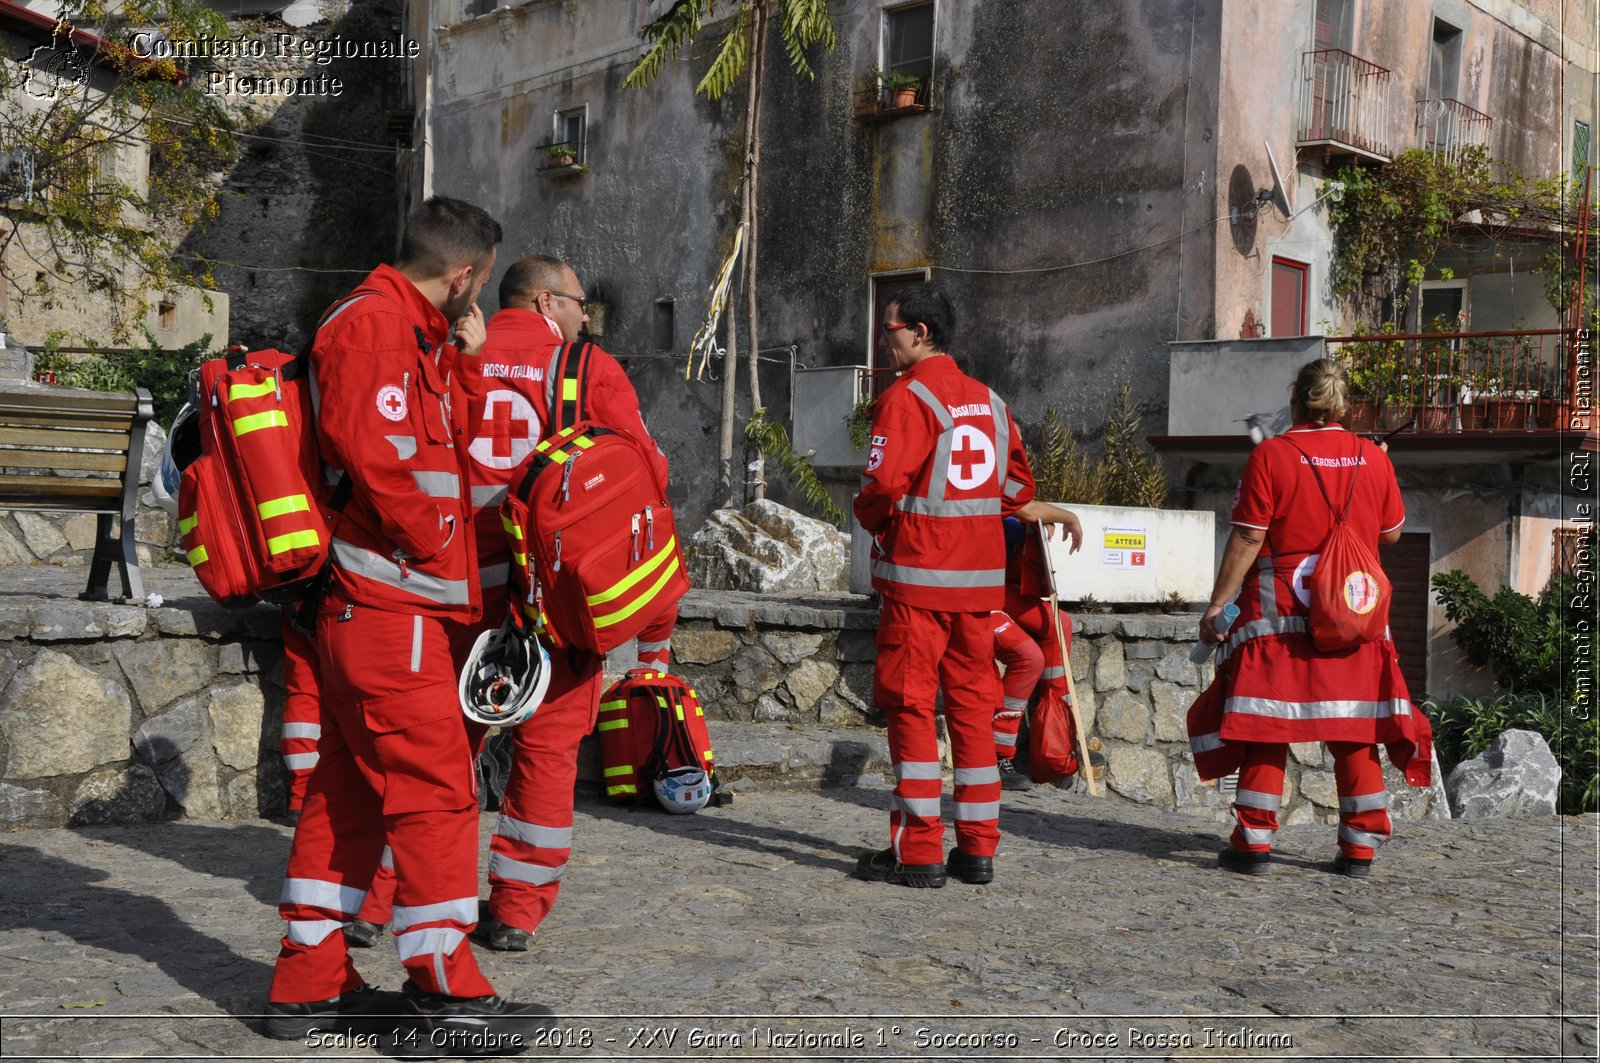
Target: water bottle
[(1219, 623)]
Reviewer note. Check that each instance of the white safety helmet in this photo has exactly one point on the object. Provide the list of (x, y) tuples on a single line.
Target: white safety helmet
[(505, 677), (183, 446), (683, 790)]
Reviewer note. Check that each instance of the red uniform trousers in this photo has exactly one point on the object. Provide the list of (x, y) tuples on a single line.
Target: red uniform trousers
[(920, 651), (1363, 798), (302, 710), (655, 642), (1014, 648), (395, 766), (1032, 615)]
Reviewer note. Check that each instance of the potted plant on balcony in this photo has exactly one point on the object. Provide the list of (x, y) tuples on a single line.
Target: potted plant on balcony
[(902, 89), (561, 155)]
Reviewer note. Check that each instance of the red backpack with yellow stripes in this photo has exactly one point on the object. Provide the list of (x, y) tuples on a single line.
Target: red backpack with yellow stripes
[(651, 728), (594, 547), (252, 519)]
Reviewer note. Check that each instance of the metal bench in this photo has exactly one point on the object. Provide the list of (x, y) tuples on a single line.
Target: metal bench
[(70, 450)]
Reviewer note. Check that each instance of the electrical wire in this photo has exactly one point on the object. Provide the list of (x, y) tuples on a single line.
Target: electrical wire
[(1089, 262), (268, 269)]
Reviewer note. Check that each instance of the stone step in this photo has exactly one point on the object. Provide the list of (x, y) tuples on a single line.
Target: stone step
[(775, 756)]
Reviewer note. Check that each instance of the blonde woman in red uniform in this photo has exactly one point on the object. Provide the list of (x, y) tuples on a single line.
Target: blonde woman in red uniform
[(1273, 686)]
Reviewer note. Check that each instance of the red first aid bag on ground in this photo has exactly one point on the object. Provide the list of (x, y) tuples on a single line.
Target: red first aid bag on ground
[(1052, 744), (1349, 593), (650, 724)]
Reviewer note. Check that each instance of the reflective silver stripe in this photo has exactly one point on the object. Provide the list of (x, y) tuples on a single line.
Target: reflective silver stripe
[(311, 931), (461, 910), (977, 776), (404, 446), (918, 807), (1240, 634), (1320, 710), (1361, 837), (319, 893), (917, 769), (1016, 704), (438, 941), (1014, 488), (1009, 741), (300, 761), (494, 575), (1002, 438), (438, 484), (387, 859), (1267, 580), (920, 390), (534, 834), (646, 648), (960, 507), (503, 867), (416, 644), (302, 730), (1055, 671), (1256, 835), (1205, 743), (977, 811), (486, 495), (1365, 802), (368, 565), (1258, 799), (933, 577)]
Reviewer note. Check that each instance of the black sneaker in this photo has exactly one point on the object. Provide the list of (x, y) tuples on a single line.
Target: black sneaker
[(973, 870), (1351, 867), (468, 1026), (1011, 778), (1243, 862), (360, 934), (502, 937), (347, 1011), (881, 866)]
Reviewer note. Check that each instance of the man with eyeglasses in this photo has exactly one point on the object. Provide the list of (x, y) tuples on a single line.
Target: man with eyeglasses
[(510, 387), (946, 465)]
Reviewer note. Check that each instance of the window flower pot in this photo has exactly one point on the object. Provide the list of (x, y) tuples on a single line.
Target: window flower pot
[(905, 96)]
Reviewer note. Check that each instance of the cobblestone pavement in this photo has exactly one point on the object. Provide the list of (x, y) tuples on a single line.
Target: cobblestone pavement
[(737, 933)]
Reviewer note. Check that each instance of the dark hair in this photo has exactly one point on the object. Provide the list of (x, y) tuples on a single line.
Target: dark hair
[(923, 304), (445, 234), (528, 276)]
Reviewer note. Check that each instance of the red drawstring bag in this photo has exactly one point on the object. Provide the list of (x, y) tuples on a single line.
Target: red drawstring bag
[(1349, 593), (1052, 745)]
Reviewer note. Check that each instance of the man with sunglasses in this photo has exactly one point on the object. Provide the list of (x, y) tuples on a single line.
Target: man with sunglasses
[(946, 465)]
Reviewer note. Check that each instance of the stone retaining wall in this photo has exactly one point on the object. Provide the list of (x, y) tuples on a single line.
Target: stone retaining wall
[(116, 713)]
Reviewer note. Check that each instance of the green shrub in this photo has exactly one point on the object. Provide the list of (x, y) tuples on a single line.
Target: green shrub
[(1126, 475), (1465, 727), (164, 373)]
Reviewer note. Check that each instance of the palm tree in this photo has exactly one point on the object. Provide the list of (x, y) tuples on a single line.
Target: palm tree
[(802, 24)]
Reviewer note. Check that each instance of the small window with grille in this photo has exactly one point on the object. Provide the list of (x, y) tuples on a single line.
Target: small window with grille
[(1572, 550), (908, 46)]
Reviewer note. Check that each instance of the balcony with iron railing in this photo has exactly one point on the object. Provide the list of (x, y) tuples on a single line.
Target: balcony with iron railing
[(1450, 126), (1344, 104), (1458, 382)]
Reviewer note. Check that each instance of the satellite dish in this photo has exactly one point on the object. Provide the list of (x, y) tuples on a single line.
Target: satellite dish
[(1278, 194)]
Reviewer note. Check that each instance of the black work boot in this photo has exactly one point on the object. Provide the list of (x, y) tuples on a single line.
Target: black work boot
[(467, 1026), (973, 870), (882, 866), (1244, 862), (502, 937), (1010, 777), (1352, 867), (346, 1011)]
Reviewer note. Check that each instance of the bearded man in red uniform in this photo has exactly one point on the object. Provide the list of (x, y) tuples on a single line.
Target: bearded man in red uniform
[(946, 464), (395, 755)]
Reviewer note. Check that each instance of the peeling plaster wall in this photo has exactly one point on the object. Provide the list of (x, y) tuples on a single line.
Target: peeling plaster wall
[(1047, 145)]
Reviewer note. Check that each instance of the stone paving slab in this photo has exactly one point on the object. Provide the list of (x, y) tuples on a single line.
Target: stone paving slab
[(737, 933)]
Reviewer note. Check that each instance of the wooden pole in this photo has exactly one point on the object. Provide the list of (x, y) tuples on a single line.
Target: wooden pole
[(1072, 694)]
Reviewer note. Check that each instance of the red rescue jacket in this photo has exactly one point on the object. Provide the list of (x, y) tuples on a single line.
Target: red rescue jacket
[(508, 398), (945, 465), (381, 385)]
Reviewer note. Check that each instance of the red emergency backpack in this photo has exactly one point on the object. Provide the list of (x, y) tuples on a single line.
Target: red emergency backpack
[(594, 547), (250, 513), (1349, 593), (652, 727)]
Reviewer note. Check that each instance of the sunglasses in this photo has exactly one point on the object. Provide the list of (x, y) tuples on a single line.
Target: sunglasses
[(886, 329)]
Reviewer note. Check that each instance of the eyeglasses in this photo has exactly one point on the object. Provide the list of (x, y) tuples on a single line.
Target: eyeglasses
[(580, 300)]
